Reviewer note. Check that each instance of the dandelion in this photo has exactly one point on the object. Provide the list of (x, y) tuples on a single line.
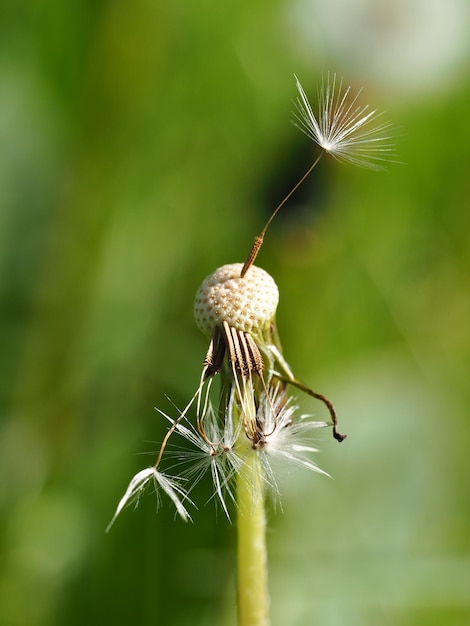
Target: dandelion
[(242, 437)]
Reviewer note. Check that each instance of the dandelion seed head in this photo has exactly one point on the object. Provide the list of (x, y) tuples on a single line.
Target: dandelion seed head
[(343, 128), (247, 304)]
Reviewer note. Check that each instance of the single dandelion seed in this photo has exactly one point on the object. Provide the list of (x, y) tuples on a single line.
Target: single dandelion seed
[(221, 461), (283, 439), (139, 483), (344, 129)]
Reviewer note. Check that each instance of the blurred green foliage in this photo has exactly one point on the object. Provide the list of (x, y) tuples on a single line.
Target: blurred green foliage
[(142, 145)]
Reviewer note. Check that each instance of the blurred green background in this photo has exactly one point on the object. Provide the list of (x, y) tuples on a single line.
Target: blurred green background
[(142, 145)]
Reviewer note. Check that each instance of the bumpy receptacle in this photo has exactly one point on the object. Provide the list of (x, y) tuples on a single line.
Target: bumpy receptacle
[(247, 304)]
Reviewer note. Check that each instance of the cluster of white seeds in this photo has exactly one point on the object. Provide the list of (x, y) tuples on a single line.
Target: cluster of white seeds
[(247, 303)]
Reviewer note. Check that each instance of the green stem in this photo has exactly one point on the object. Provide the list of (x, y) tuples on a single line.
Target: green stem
[(252, 555)]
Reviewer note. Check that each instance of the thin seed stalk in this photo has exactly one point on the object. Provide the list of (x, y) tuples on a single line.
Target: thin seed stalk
[(253, 601)]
